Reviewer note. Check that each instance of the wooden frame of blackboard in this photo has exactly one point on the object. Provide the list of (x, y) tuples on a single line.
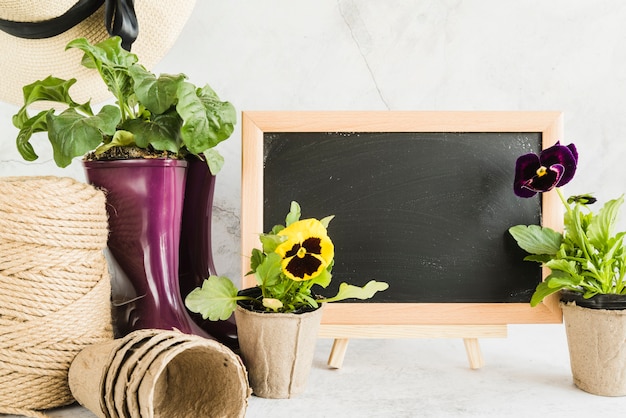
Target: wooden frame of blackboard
[(395, 320)]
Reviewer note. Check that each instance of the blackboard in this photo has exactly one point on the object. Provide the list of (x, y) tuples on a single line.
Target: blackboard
[(422, 200)]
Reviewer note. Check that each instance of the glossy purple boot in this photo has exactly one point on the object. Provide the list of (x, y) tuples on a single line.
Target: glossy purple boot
[(144, 204), (196, 256)]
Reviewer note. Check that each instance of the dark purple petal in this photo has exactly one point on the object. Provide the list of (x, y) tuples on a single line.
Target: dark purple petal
[(574, 151), (526, 168), (525, 192), (547, 181), (565, 156)]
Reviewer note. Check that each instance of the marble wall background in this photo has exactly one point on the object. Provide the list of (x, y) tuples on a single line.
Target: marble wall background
[(566, 55)]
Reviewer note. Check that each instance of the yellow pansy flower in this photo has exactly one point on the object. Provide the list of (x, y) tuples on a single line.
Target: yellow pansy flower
[(307, 251)]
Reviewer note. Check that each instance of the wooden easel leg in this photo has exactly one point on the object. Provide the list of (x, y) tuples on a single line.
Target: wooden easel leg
[(338, 352), (474, 354)]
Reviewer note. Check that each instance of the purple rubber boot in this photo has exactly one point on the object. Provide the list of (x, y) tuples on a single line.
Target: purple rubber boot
[(144, 204), (196, 256)]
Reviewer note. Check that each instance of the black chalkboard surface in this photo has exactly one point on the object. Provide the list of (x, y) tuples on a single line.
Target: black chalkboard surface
[(422, 200), (428, 212)]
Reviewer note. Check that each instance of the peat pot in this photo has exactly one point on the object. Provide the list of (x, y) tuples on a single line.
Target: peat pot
[(596, 336), (277, 349)]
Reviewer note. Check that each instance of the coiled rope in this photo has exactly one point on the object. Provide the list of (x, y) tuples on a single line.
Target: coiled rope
[(54, 287)]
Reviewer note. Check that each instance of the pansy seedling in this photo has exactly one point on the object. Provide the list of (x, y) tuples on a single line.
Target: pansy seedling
[(588, 257), (294, 258)]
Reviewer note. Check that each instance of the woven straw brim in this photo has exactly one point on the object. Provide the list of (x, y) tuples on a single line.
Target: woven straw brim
[(27, 60)]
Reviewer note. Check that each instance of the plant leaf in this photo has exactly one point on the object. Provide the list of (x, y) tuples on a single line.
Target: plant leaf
[(273, 304), (156, 94), (536, 239), (214, 159), (294, 213), (206, 120), (541, 292), (348, 291), (601, 226), (566, 266), (162, 132), (323, 279), (326, 220), (215, 300), (72, 134), (256, 259), (576, 223), (51, 89), (38, 123), (120, 139), (269, 242), (560, 279), (538, 258), (111, 61), (267, 273)]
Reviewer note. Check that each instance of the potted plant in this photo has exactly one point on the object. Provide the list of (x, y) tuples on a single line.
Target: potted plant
[(587, 263), (278, 319), (153, 152)]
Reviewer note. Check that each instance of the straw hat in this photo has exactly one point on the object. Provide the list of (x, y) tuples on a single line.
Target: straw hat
[(27, 60)]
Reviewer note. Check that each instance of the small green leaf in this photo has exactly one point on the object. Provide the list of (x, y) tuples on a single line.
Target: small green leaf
[(215, 300), (566, 266), (276, 229), (273, 304), (348, 291), (268, 271), (542, 290), (601, 226), (560, 279), (576, 223), (120, 139), (214, 159), (256, 259), (38, 123), (538, 258), (294, 213), (161, 132), (536, 239), (269, 242), (326, 221), (323, 279)]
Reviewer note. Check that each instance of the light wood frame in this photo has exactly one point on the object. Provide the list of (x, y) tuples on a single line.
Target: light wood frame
[(377, 320)]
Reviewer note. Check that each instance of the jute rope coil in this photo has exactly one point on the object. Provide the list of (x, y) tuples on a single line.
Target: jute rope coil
[(54, 287)]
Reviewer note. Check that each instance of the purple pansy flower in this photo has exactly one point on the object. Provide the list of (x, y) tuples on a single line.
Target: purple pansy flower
[(553, 167)]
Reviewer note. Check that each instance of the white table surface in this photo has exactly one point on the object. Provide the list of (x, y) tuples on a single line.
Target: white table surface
[(525, 375)]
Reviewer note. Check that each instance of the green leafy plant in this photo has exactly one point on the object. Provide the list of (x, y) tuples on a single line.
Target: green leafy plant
[(294, 257), (589, 256), (163, 114)]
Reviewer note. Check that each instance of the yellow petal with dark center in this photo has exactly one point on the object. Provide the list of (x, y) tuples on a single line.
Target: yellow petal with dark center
[(307, 251)]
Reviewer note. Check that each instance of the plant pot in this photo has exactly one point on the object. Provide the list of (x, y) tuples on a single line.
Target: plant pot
[(596, 336), (157, 373), (144, 204), (277, 349)]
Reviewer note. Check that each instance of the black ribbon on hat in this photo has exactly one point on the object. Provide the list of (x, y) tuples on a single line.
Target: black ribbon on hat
[(119, 19)]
